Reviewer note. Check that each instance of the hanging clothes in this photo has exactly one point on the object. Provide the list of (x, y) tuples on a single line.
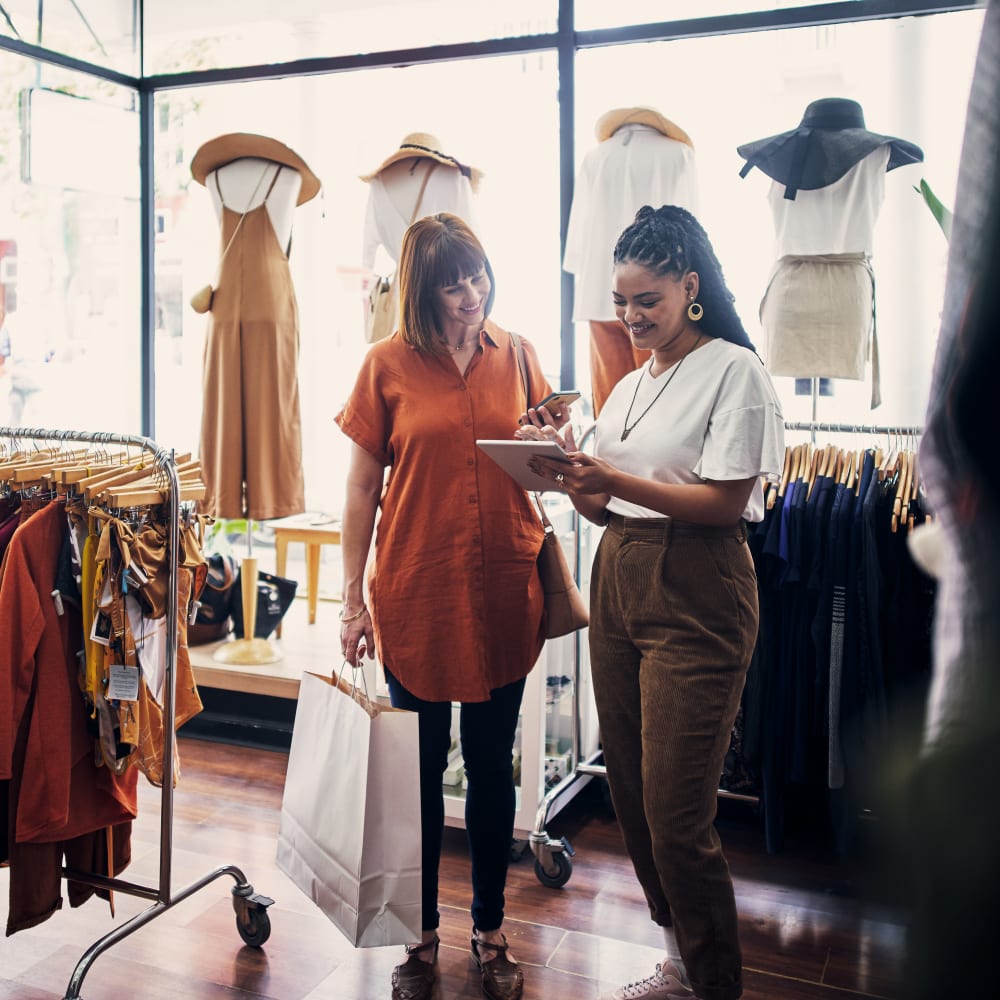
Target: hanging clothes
[(251, 429), (843, 649)]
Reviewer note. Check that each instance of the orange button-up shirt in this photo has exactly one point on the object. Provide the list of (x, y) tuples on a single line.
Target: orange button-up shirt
[(454, 593)]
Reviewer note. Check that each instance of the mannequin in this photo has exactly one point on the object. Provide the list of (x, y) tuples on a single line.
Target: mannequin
[(394, 187), (251, 435), (827, 188), (641, 159), (243, 185)]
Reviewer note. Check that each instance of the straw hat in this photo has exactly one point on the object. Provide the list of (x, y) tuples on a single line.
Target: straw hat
[(418, 144), (830, 139), (613, 120), (224, 149)]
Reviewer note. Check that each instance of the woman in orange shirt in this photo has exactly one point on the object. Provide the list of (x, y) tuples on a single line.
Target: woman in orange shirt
[(456, 604)]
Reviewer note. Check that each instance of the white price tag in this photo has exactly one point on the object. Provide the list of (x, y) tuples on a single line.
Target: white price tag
[(123, 683)]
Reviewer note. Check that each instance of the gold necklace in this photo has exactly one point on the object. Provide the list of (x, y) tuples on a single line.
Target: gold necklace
[(461, 344), (626, 430)]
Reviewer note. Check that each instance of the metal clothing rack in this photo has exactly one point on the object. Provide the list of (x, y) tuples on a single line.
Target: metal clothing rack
[(252, 920), (815, 428), (553, 866)]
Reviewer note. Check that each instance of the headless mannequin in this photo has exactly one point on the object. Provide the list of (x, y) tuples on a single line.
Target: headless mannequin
[(393, 198), (244, 185), (402, 182)]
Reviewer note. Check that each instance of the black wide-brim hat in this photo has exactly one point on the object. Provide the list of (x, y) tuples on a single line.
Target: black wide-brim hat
[(830, 139)]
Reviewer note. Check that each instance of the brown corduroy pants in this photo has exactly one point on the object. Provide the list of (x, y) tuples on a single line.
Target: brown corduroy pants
[(673, 622)]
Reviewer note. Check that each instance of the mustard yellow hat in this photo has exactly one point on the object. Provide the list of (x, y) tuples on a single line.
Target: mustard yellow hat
[(613, 120), (423, 144), (225, 149)]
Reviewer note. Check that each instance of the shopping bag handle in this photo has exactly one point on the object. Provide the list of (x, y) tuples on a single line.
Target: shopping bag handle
[(354, 671)]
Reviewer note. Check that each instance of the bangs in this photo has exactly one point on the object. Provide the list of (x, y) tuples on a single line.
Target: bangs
[(454, 260)]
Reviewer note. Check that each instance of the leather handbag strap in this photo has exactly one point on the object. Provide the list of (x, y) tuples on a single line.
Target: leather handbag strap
[(420, 193), (523, 368)]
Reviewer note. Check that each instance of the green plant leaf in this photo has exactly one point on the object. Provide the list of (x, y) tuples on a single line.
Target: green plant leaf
[(938, 210)]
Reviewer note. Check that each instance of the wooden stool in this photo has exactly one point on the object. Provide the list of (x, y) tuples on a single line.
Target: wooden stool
[(298, 529)]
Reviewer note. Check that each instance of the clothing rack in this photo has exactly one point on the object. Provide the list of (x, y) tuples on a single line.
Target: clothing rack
[(252, 920), (879, 429), (552, 857)]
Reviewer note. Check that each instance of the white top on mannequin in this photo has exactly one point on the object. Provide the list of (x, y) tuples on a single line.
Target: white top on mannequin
[(393, 195), (244, 185), (838, 218), (635, 166)]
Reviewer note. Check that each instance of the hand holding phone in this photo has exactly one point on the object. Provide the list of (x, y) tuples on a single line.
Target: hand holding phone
[(554, 400)]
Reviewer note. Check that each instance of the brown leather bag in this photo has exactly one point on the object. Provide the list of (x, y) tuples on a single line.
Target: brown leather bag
[(565, 611), (214, 619)]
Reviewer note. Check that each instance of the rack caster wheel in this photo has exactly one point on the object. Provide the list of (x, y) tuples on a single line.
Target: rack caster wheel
[(562, 869), (252, 921)]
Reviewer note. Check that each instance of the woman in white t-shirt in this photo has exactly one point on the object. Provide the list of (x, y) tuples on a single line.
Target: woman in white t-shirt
[(682, 444)]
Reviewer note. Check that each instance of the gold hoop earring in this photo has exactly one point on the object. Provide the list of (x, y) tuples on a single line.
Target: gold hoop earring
[(695, 311)]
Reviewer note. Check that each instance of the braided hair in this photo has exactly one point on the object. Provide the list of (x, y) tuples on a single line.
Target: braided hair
[(671, 241)]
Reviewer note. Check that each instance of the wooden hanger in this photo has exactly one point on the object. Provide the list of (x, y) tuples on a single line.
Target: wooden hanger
[(785, 472), (150, 488), (902, 485), (91, 486)]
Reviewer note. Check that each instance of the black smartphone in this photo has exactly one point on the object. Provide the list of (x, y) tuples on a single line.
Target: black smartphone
[(556, 399)]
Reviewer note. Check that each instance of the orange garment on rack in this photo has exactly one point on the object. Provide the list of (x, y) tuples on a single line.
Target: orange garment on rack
[(63, 793), (454, 590), (251, 428), (58, 800)]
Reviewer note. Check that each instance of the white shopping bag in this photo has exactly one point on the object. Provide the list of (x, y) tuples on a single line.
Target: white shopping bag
[(350, 816)]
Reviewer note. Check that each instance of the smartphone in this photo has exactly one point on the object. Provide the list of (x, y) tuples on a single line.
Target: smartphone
[(556, 399)]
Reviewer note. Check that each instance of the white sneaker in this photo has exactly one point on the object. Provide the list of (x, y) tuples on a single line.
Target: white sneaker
[(664, 984)]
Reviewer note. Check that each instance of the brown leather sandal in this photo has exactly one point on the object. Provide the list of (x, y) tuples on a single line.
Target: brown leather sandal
[(414, 978), (502, 978)]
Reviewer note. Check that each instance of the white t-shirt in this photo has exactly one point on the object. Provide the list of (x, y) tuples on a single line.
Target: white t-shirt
[(448, 190), (838, 218), (637, 166), (719, 419)]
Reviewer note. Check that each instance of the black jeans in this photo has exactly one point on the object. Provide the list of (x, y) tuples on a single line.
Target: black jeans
[(487, 732)]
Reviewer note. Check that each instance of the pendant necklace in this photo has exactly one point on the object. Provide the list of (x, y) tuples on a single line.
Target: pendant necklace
[(626, 430)]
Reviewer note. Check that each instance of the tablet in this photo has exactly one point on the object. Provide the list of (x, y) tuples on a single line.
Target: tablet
[(513, 458)]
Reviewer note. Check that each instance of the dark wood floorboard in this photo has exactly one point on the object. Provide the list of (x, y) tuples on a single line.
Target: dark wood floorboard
[(811, 928)]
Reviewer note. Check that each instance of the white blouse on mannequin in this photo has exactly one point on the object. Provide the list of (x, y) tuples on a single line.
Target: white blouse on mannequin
[(393, 195)]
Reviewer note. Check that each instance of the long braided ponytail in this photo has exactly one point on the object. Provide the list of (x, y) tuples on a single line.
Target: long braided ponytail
[(670, 241)]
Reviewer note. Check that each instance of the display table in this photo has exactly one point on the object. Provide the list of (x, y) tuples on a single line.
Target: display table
[(313, 534)]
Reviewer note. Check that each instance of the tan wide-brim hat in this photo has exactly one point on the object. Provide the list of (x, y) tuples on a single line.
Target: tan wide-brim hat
[(429, 146), (225, 149), (613, 120)]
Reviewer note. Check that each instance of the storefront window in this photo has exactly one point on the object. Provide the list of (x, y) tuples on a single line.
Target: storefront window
[(895, 70), (499, 115), (186, 35), (104, 33), (69, 251), (593, 14)]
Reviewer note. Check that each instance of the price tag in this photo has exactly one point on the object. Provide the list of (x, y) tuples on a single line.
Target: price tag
[(123, 683)]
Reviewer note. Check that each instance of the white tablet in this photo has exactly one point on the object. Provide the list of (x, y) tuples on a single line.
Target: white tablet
[(513, 458)]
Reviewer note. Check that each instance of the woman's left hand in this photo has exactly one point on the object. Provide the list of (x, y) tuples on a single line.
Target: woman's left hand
[(584, 474), (542, 417)]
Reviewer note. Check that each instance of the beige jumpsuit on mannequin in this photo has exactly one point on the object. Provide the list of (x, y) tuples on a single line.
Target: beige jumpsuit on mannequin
[(251, 432)]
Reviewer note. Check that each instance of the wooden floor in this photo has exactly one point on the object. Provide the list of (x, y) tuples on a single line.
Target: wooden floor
[(808, 932)]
